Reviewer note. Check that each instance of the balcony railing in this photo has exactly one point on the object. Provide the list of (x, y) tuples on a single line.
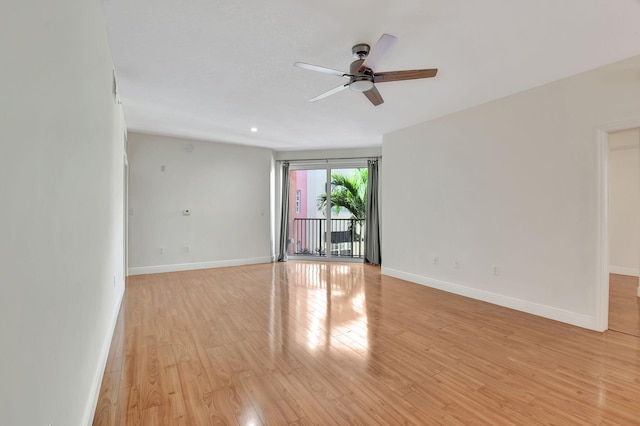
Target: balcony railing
[(307, 237)]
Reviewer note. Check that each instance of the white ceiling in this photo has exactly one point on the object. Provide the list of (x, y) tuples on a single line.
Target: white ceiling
[(212, 69)]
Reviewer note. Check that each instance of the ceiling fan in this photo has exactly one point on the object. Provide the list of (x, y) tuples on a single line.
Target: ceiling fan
[(361, 74)]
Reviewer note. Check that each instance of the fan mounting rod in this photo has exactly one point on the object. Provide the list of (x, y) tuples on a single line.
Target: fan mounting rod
[(360, 51)]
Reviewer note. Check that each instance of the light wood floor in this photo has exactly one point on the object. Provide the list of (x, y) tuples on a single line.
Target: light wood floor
[(624, 304), (310, 343)]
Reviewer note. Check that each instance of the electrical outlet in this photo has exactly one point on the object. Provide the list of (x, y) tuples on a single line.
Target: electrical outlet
[(495, 271), (187, 249), (456, 264), (161, 250), (436, 260)]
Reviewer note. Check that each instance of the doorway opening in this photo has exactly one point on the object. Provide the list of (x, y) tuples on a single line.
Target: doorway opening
[(327, 212), (624, 230), (601, 321)]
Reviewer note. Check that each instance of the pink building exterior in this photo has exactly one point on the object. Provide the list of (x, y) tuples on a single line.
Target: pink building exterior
[(297, 206)]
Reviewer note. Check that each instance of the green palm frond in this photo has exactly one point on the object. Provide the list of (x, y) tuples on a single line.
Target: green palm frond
[(347, 192)]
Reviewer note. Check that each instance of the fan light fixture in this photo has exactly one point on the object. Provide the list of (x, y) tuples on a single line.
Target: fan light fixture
[(361, 84)]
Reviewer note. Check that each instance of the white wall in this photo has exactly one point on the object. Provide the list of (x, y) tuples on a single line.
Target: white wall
[(61, 174), (624, 202), (511, 184), (227, 189)]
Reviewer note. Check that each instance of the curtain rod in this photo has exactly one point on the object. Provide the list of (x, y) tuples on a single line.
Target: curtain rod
[(330, 159)]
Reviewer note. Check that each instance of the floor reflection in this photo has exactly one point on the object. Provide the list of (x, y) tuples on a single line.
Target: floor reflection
[(321, 307)]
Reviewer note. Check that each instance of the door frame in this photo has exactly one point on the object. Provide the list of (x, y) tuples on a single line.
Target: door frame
[(602, 255), (328, 165), (125, 224)]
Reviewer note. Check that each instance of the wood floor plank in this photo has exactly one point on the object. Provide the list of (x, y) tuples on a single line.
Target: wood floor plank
[(194, 386), (394, 408), (128, 409), (624, 304), (224, 407), (105, 413), (267, 403), (303, 343), (173, 399), (307, 403), (149, 378)]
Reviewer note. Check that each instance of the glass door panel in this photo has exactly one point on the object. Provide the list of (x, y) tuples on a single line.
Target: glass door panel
[(347, 216), (307, 213)]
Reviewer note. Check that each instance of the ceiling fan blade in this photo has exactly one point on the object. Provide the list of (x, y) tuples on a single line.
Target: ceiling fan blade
[(330, 92), (382, 77), (378, 52), (322, 69), (374, 96)]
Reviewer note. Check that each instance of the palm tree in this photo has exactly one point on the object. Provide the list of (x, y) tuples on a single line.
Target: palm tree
[(347, 192)]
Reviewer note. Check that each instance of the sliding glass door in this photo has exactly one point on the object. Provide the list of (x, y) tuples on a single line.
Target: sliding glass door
[(327, 212)]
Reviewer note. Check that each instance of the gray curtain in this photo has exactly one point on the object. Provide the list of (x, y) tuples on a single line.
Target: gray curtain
[(372, 224), (284, 219)]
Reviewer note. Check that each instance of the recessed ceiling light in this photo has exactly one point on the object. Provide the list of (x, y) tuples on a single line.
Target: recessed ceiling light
[(254, 129)]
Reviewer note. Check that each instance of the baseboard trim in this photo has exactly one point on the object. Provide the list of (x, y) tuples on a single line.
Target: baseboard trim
[(90, 411), (633, 272), (141, 270), (544, 311)]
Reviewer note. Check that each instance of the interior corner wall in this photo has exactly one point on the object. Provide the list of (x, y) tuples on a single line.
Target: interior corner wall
[(509, 189), (225, 187), (61, 251), (624, 202)]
